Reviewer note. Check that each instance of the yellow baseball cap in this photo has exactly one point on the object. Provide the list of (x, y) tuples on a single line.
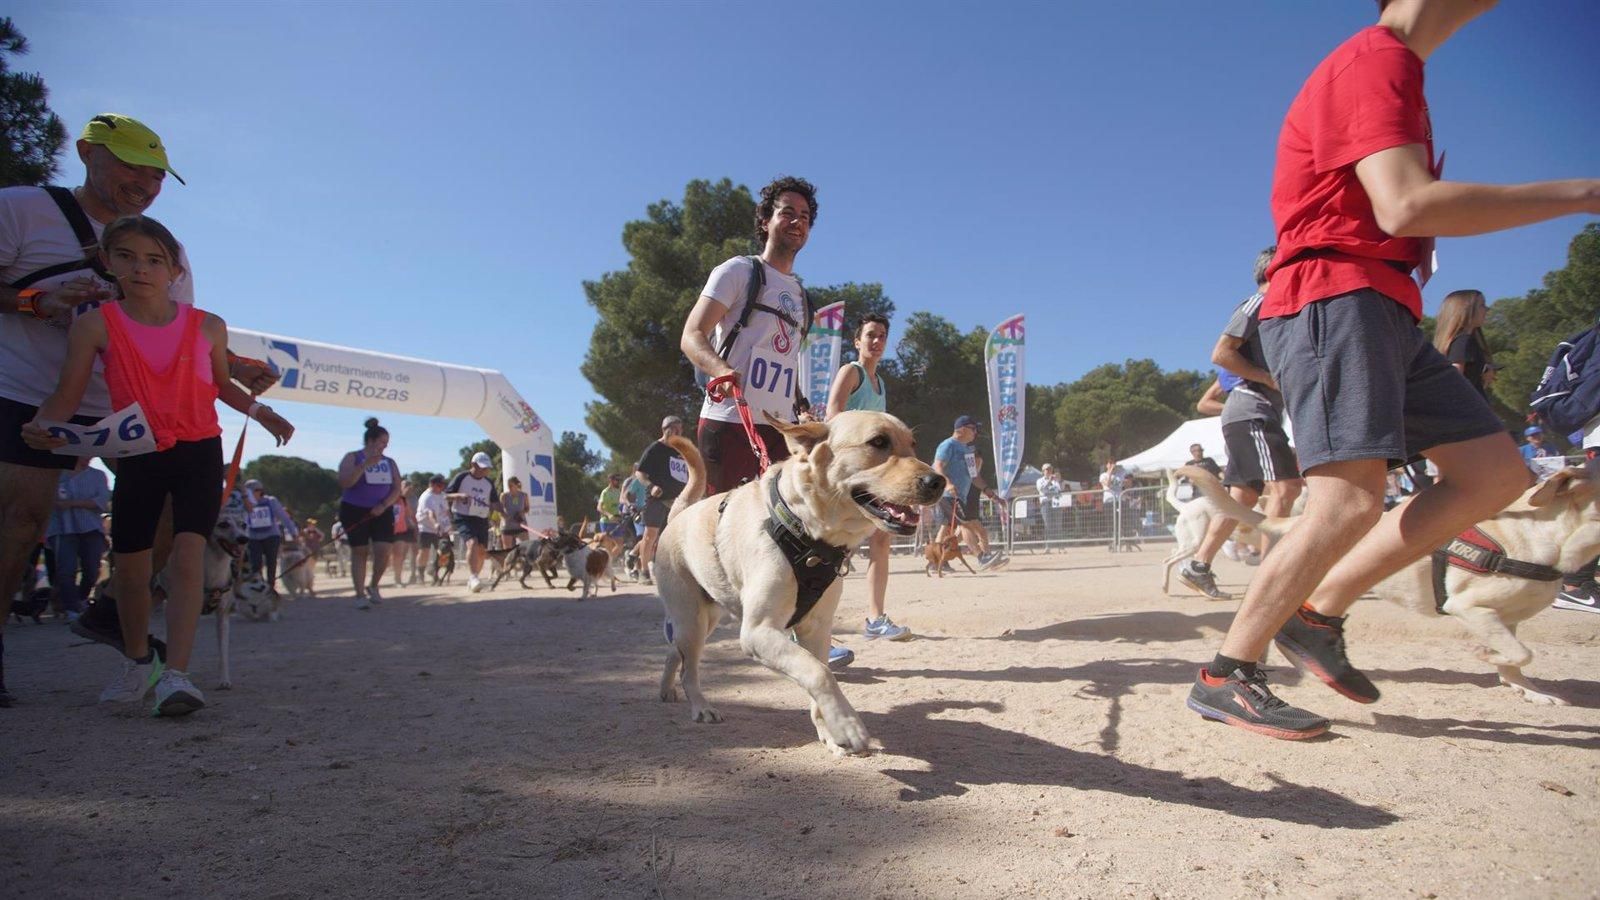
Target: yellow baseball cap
[(130, 140)]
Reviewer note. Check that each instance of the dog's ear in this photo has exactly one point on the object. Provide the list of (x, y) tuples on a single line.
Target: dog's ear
[(1565, 484), (800, 437)]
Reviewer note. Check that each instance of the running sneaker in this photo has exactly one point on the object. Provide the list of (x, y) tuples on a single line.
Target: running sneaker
[(987, 561), (839, 657), (373, 596), (361, 600), (100, 623), (176, 695), (1230, 549), (1584, 597), (884, 627), (1319, 646), (135, 680), (473, 584), (1200, 577), (1244, 701)]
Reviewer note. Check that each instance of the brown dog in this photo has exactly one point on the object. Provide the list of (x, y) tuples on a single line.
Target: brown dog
[(938, 553)]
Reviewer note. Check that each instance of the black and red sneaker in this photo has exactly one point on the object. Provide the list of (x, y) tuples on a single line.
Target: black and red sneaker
[(1317, 642), (1243, 701)]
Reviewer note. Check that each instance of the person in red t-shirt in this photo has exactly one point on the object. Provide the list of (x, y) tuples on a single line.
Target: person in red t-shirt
[(1358, 200)]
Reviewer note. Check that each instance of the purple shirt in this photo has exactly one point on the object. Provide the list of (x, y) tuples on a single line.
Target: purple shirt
[(374, 485)]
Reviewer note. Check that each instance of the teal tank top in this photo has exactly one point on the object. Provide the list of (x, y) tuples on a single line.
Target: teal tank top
[(864, 397)]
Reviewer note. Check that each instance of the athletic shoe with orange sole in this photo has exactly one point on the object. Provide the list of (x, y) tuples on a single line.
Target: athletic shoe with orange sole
[(1319, 647), (1243, 701)]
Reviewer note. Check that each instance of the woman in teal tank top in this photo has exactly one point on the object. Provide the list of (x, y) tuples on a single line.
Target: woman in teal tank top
[(857, 386)]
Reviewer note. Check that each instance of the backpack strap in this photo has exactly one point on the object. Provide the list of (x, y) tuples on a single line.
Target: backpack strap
[(83, 230), (752, 298)]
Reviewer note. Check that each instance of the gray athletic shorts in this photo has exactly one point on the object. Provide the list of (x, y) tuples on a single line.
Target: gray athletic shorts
[(1360, 381), (1258, 452)]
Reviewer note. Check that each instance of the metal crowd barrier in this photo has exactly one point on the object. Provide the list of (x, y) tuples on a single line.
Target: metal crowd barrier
[(1136, 516)]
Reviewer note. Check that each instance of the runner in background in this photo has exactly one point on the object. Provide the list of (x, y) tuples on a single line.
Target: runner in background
[(404, 546), (857, 385), (473, 496), (663, 473), (269, 525), (370, 481)]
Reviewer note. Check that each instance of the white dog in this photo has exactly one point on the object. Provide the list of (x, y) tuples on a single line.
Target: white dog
[(1554, 526), (295, 572), (747, 551), (220, 568), (1194, 519)]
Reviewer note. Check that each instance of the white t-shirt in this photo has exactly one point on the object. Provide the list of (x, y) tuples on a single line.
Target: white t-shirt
[(481, 493), (433, 513), (35, 235), (767, 353)]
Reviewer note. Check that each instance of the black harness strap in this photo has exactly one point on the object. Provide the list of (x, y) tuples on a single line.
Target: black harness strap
[(78, 221), (1480, 554), (816, 565)]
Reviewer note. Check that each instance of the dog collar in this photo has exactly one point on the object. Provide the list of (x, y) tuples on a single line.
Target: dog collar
[(816, 565), (1476, 552)]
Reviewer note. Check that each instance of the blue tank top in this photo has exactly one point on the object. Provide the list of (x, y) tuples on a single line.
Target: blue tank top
[(375, 483), (864, 397)]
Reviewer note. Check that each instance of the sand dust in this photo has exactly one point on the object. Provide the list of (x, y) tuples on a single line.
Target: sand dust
[(1035, 745)]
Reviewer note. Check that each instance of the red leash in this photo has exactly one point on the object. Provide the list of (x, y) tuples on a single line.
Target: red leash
[(720, 389)]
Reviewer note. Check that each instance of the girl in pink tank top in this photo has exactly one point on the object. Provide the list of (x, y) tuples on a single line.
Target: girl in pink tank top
[(171, 359)]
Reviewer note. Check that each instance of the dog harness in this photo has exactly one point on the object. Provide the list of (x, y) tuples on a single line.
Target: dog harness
[(815, 564), (1480, 554)]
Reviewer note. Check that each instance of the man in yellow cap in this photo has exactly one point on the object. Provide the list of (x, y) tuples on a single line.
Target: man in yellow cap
[(49, 271)]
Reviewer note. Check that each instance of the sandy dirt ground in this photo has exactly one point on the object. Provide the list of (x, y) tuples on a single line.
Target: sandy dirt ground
[(1035, 744)]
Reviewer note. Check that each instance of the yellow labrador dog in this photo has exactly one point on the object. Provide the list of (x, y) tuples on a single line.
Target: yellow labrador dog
[(1554, 526), (758, 551)]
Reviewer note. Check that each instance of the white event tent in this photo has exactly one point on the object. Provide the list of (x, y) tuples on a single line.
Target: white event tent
[(1173, 451)]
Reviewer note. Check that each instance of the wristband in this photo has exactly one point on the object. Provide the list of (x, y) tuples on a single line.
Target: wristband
[(28, 302), (254, 409)]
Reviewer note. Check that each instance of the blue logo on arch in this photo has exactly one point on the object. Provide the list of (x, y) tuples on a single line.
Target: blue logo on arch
[(542, 478), (284, 358)]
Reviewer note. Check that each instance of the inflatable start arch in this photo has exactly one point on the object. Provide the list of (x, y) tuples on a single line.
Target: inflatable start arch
[(313, 372)]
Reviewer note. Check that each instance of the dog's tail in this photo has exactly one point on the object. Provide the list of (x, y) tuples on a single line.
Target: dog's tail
[(696, 488), (1212, 489)]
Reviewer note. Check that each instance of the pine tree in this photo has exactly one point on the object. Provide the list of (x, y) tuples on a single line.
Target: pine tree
[(31, 136)]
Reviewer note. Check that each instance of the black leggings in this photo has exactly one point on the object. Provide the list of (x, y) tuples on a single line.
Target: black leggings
[(265, 549), (189, 471)]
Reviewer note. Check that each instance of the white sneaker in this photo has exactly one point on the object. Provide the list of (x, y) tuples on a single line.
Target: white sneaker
[(176, 695), (134, 682), (361, 600), (1231, 550), (473, 584)]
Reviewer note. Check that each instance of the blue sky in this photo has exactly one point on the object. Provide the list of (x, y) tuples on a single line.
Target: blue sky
[(437, 180)]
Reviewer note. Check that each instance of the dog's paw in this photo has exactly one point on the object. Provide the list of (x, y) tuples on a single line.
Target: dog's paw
[(707, 714), (669, 695), (847, 738), (225, 686)]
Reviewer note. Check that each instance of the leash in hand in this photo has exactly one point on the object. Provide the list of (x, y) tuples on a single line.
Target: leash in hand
[(720, 389)]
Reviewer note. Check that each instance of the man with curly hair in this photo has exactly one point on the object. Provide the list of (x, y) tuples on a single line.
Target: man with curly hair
[(763, 356)]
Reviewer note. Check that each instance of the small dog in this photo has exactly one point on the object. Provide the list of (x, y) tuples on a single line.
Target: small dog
[(1555, 524), (1194, 519), (938, 553), (551, 558), (256, 599), (295, 572), (444, 560), (588, 565), (856, 472), (522, 558)]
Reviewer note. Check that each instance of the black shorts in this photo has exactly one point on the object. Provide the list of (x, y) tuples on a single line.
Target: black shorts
[(1361, 381), (729, 459), (655, 512), (427, 540), (14, 450), (969, 506), (361, 527), (473, 528), (1258, 452), (409, 536), (515, 531), (190, 472)]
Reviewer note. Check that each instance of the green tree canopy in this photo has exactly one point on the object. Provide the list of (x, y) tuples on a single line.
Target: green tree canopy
[(634, 362), (31, 136), (1523, 331), (935, 375), (578, 475), (1115, 410)]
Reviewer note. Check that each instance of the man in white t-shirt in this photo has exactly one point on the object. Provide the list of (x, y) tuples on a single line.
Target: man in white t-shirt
[(763, 356), (473, 495)]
